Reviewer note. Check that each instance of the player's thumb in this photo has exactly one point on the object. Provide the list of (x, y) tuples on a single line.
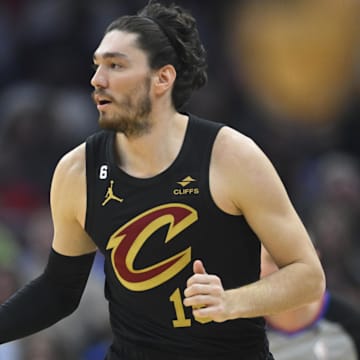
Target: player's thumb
[(198, 267)]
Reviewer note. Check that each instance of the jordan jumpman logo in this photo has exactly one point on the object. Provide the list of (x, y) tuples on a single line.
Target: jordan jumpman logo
[(110, 195)]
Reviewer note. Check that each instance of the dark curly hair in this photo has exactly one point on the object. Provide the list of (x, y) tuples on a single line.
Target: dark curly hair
[(169, 35)]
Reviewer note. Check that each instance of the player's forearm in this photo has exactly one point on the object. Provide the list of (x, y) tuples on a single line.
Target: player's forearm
[(288, 288), (47, 299), (33, 308)]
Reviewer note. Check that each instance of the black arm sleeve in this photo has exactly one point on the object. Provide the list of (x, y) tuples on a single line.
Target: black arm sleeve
[(47, 299)]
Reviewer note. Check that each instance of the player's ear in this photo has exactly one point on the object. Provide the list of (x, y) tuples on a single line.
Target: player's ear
[(164, 79)]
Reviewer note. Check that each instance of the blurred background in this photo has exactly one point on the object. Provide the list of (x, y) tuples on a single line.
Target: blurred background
[(286, 73)]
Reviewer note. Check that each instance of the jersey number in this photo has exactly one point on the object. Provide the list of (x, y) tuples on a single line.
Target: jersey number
[(181, 320), (103, 173)]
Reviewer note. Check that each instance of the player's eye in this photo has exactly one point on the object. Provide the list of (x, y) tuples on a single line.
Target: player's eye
[(115, 66)]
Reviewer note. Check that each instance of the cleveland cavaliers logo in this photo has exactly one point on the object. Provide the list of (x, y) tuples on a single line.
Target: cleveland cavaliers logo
[(127, 241)]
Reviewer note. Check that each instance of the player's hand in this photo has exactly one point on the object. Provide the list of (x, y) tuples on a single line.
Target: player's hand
[(205, 294)]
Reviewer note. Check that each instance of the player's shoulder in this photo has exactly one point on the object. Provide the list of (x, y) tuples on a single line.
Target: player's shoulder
[(233, 136), (226, 135), (232, 145), (72, 164)]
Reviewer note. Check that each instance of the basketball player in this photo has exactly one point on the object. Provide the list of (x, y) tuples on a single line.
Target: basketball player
[(178, 206)]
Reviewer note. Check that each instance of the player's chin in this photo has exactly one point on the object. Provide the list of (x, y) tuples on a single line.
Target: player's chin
[(106, 123)]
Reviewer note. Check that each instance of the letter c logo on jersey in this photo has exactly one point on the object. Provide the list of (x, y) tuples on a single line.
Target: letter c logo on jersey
[(127, 241)]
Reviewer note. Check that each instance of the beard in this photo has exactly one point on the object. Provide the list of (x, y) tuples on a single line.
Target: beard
[(133, 117)]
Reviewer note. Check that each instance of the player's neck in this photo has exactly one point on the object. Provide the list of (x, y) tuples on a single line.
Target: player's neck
[(153, 152)]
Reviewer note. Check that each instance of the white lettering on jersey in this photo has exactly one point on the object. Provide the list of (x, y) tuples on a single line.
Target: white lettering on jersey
[(103, 173)]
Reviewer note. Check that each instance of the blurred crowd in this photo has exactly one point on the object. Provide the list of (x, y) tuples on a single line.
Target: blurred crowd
[(286, 73)]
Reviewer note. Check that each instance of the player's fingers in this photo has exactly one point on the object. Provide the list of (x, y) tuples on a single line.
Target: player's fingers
[(209, 312), (201, 279), (198, 267), (204, 279), (199, 301), (197, 289)]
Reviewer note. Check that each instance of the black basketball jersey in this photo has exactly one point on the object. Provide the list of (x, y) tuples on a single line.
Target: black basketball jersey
[(150, 232)]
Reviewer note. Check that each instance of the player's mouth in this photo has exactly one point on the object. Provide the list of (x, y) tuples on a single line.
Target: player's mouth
[(102, 104), (101, 99)]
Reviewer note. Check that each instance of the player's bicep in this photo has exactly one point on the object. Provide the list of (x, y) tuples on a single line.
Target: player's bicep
[(68, 203), (71, 239), (264, 202)]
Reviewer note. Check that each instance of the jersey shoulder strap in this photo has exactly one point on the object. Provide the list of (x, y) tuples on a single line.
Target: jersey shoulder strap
[(97, 166)]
